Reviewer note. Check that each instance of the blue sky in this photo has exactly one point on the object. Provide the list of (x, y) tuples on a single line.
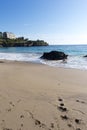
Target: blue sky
[(55, 21)]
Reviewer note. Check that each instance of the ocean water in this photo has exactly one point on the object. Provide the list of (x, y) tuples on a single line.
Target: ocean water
[(33, 54)]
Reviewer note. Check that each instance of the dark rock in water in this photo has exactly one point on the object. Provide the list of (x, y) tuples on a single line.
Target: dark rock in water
[(54, 55), (85, 56)]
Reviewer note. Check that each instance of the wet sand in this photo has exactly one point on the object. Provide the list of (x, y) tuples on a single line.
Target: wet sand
[(39, 97)]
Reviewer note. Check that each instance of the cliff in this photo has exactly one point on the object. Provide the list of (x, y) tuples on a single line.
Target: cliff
[(21, 42)]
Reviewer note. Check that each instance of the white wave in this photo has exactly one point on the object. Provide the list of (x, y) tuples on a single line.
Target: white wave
[(76, 62), (20, 56)]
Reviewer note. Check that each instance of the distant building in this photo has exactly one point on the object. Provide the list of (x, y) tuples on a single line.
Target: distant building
[(1, 34), (9, 35)]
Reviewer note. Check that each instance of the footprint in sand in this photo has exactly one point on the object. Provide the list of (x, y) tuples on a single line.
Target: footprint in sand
[(77, 121), (78, 129), (80, 101), (11, 103), (61, 104), (7, 129), (8, 110), (21, 116), (52, 125), (62, 109), (64, 117), (19, 101), (22, 125), (69, 125), (39, 123), (60, 99)]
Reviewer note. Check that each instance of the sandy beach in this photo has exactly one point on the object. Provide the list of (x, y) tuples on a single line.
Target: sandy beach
[(40, 97)]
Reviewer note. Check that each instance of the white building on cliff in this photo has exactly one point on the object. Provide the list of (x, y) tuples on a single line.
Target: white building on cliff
[(9, 35)]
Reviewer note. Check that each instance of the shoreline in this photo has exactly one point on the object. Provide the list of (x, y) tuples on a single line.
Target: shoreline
[(37, 97), (75, 54), (40, 63)]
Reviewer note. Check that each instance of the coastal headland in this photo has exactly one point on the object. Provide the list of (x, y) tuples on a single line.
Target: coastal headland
[(40, 97), (8, 39)]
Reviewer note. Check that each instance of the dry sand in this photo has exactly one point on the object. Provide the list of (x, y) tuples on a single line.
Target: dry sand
[(39, 97)]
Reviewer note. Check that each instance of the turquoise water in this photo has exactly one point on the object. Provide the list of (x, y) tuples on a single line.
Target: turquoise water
[(69, 49), (32, 54)]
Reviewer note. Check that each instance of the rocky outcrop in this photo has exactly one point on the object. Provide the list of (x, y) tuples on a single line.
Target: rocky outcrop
[(85, 56), (21, 42), (54, 55)]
